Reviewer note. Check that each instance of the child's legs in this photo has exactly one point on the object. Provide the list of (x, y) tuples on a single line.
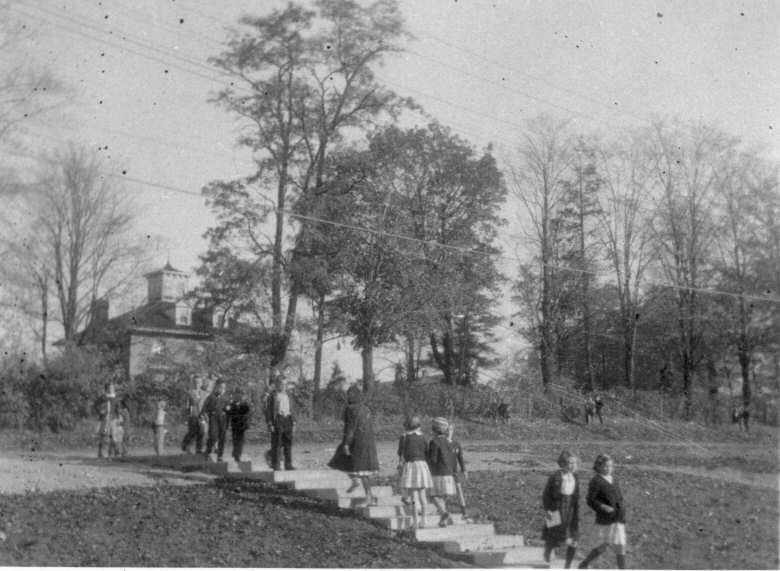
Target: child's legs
[(441, 504), (461, 497)]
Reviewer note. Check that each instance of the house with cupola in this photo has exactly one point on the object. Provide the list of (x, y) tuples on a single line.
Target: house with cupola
[(167, 330)]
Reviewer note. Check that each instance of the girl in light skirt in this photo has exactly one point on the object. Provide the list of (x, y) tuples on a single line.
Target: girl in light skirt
[(415, 474), (606, 499)]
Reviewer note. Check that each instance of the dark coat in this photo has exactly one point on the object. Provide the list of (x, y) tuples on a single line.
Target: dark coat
[(238, 415), (569, 506), (601, 493), (441, 457), (359, 436)]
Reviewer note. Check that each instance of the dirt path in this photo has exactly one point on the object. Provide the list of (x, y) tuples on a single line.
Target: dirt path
[(22, 472)]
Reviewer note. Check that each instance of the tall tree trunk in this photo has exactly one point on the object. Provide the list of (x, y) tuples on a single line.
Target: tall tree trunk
[(44, 287), (317, 380), (367, 359), (411, 368)]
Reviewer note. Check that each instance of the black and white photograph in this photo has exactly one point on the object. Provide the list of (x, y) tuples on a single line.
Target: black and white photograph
[(401, 284)]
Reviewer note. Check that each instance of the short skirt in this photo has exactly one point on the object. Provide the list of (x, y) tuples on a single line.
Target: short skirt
[(443, 486), (416, 475), (613, 534)]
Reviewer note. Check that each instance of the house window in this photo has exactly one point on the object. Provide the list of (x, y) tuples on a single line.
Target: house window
[(183, 320), (157, 347)]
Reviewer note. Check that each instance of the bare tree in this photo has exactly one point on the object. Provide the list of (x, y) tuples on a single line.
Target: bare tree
[(624, 220), (27, 91), (686, 157), (538, 179), (73, 241)]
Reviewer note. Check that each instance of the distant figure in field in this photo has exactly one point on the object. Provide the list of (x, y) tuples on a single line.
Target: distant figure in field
[(741, 415), (606, 499), (502, 411), (561, 503), (590, 409), (599, 404)]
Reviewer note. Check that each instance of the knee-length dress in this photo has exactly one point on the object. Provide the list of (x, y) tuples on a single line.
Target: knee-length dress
[(415, 474), (554, 499)]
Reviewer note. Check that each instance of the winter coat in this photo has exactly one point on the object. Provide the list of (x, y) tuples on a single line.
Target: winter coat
[(359, 437)]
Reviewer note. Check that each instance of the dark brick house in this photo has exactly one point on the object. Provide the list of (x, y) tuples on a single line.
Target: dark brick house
[(162, 333)]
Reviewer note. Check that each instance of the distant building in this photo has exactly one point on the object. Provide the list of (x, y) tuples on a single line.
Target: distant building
[(165, 331)]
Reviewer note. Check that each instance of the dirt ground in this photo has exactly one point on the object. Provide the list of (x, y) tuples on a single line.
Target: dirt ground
[(27, 471)]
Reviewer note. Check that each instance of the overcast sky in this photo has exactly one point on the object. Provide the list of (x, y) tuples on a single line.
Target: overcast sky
[(141, 81)]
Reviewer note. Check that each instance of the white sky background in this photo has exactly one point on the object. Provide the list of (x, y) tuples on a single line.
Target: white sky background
[(480, 67)]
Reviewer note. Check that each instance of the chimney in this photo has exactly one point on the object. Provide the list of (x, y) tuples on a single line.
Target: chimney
[(99, 312)]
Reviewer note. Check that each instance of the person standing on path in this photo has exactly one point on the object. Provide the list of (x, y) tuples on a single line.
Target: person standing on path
[(606, 499), (124, 411), (561, 500), (158, 426), (238, 418), (104, 408), (359, 443), (196, 396), (214, 408), (281, 423)]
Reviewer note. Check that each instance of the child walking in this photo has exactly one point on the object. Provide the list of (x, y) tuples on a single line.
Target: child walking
[(460, 474), (159, 428), (606, 499), (561, 500), (415, 474), (442, 463)]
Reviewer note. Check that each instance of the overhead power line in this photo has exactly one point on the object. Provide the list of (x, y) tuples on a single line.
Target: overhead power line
[(458, 249)]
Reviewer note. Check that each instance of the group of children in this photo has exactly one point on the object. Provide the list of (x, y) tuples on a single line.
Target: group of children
[(560, 500), (434, 466)]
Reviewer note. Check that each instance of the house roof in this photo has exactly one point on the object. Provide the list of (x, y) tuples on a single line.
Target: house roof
[(167, 268)]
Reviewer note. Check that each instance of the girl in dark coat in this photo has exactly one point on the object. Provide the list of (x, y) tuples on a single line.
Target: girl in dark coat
[(561, 499), (359, 442), (606, 499)]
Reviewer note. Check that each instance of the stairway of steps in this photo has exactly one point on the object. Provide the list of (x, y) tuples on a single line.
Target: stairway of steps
[(476, 543)]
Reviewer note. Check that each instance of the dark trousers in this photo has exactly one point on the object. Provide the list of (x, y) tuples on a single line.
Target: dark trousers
[(217, 434), (238, 441), (282, 436), (193, 433)]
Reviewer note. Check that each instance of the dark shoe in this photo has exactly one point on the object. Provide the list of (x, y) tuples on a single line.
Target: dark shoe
[(445, 519), (353, 486), (275, 468), (289, 467)]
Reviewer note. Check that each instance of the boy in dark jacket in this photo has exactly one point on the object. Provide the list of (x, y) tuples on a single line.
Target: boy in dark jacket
[(238, 418)]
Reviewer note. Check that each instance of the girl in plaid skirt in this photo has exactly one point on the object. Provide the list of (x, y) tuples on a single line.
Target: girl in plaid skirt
[(415, 474)]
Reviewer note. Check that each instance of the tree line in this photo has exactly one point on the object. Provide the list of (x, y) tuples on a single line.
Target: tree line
[(651, 256)]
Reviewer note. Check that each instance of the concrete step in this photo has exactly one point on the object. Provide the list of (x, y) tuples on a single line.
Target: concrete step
[(486, 543), (453, 532), (400, 509), (320, 483), (407, 521), (383, 494), (311, 476), (527, 557)]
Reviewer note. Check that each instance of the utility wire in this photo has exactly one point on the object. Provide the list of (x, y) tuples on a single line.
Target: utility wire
[(459, 249)]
